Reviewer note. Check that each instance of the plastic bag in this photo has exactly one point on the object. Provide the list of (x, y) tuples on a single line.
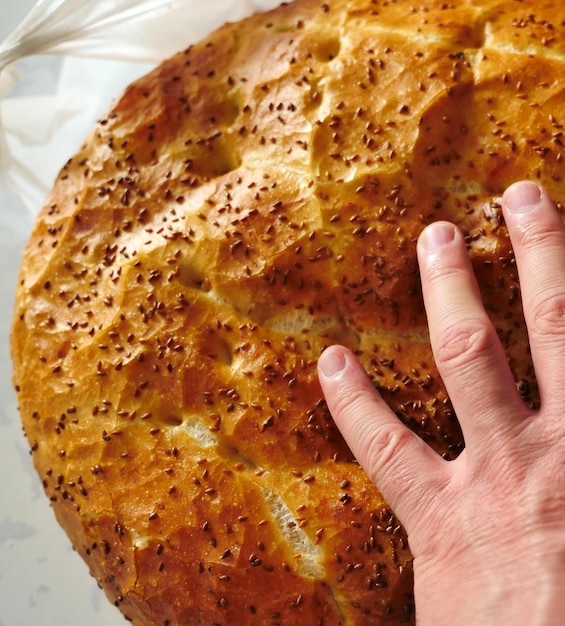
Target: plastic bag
[(130, 34), (50, 104)]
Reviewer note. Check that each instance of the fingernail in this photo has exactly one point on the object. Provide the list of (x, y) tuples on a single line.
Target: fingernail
[(332, 363), (438, 235), (522, 197)]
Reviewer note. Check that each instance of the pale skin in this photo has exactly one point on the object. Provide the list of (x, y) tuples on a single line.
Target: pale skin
[(487, 530)]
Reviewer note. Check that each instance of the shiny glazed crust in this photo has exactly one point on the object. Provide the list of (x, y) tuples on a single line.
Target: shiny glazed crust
[(253, 200)]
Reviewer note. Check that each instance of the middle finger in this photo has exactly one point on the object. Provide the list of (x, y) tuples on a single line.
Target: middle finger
[(538, 238), (465, 344)]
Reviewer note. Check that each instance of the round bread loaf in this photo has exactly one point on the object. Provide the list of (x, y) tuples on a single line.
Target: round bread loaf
[(253, 200)]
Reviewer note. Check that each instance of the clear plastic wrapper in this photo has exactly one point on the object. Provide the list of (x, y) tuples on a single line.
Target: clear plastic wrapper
[(59, 71), (105, 45)]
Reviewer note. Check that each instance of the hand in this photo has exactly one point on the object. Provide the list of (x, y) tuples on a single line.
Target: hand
[(487, 530)]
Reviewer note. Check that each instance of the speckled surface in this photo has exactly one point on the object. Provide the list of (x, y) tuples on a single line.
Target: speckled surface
[(42, 580)]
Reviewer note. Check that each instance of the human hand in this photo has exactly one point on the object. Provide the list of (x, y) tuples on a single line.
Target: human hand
[(487, 530)]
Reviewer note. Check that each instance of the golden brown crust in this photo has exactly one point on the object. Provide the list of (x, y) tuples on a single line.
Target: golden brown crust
[(251, 201)]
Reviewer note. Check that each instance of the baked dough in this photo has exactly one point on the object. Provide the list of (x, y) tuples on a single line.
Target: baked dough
[(253, 200)]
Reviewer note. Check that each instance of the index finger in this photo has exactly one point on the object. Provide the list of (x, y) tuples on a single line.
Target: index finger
[(403, 467)]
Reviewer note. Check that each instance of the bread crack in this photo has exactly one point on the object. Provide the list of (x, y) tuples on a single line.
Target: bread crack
[(307, 552)]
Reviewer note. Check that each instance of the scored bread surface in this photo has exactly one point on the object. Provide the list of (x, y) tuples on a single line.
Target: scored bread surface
[(253, 200)]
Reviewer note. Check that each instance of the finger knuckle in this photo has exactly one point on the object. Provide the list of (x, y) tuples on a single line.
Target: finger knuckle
[(539, 233), (441, 272), (461, 343), (548, 316), (381, 448), (351, 401)]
